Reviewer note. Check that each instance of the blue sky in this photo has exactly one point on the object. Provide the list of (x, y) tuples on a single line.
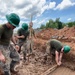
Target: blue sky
[(42, 10)]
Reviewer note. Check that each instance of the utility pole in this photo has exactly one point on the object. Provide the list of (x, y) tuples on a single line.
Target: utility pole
[(31, 18)]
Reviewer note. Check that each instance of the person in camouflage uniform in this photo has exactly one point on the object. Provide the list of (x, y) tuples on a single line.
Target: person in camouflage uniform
[(56, 48), (7, 59), (31, 35), (23, 34)]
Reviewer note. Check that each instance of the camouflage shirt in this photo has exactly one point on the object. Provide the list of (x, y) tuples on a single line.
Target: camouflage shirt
[(5, 35), (31, 32), (23, 32)]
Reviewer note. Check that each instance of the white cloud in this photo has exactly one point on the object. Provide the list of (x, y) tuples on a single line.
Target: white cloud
[(65, 4), (69, 19), (2, 21), (24, 8), (42, 21), (52, 5)]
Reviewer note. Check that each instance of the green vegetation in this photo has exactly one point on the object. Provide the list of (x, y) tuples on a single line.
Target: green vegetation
[(56, 24)]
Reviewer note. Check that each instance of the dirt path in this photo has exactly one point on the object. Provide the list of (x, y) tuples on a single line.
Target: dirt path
[(63, 71)]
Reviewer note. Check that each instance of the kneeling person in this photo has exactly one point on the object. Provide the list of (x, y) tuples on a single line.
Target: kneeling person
[(57, 49)]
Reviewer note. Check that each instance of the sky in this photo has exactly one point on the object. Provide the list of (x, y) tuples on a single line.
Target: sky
[(40, 10)]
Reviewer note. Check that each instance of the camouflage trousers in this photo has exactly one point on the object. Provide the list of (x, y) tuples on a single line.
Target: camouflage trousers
[(11, 56), (50, 49), (5, 66), (23, 48), (30, 45), (15, 59)]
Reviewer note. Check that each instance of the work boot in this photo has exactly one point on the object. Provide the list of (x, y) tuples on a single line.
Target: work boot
[(14, 71), (12, 67), (6, 73)]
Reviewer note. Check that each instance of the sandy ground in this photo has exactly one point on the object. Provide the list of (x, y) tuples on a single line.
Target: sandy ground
[(63, 71)]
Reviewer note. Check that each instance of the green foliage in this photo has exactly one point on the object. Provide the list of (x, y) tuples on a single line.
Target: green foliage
[(56, 24), (71, 24), (51, 24), (59, 23), (42, 26)]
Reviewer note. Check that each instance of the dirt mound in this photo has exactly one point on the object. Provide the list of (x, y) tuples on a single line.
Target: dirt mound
[(40, 44), (68, 32), (47, 33)]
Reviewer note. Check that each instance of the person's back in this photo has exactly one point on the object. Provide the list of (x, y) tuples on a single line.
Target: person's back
[(6, 35), (56, 45)]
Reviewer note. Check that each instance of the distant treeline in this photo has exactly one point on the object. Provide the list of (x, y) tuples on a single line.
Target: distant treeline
[(56, 24)]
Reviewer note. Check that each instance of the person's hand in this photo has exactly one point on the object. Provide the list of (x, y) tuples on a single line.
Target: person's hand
[(34, 39), (2, 58), (29, 38), (22, 36), (59, 63), (17, 47)]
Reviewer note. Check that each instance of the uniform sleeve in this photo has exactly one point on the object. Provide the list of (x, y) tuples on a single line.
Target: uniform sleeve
[(28, 33), (1, 31), (18, 32), (33, 32)]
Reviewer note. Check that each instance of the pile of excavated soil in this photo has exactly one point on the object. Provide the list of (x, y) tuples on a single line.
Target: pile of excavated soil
[(68, 32), (47, 33)]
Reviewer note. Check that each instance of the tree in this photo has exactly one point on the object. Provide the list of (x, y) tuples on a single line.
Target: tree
[(59, 23), (50, 24), (42, 26)]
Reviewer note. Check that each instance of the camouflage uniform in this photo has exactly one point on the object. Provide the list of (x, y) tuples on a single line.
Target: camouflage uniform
[(30, 42), (15, 59), (5, 66), (5, 36), (22, 41), (53, 45)]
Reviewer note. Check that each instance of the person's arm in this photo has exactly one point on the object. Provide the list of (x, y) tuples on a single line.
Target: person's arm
[(57, 57), (2, 57), (15, 43), (19, 37), (61, 55), (34, 34), (13, 40), (60, 58)]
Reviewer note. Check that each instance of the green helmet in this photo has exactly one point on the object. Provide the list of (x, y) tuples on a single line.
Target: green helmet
[(13, 19), (67, 49), (25, 26)]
